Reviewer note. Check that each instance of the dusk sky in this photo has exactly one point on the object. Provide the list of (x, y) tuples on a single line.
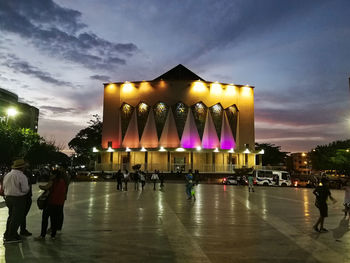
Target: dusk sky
[(56, 54)]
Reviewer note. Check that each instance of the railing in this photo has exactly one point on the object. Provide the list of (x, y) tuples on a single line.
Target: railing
[(202, 167)]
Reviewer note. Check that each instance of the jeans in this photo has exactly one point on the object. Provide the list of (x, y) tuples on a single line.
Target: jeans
[(16, 207), (188, 189)]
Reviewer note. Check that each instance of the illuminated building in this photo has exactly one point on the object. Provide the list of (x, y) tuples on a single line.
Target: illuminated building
[(27, 116), (178, 120)]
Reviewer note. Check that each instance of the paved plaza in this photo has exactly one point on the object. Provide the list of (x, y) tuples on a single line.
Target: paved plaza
[(224, 224)]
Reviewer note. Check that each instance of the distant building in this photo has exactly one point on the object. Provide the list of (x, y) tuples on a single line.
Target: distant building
[(301, 163), (178, 121), (27, 116)]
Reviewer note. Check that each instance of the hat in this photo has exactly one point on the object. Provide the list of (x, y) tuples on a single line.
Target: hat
[(19, 163)]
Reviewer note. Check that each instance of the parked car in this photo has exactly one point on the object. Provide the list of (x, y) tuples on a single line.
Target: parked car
[(230, 180)]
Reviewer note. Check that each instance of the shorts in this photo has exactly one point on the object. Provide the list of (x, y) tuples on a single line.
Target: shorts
[(323, 210), (347, 206)]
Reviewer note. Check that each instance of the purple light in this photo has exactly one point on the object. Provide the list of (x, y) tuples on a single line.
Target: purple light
[(210, 138), (190, 137), (227, 141)]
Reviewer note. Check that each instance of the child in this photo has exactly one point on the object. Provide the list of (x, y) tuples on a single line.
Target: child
[(193, 192), (346, 199)]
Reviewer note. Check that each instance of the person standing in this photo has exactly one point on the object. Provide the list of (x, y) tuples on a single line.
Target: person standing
[(346, 199), (189, 184), (119, 180), (58, 189), (143, 180), (251, 182), (322, 193), (126, 180), (23, 228), (154, 179), (16, 188)]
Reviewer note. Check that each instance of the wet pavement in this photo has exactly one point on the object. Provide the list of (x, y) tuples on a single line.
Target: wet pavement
[(224, 224)]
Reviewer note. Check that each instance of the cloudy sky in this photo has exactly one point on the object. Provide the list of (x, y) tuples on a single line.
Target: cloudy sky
[(56, 54)]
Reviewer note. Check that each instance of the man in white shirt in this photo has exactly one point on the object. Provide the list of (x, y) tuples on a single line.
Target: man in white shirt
[(15, 187)]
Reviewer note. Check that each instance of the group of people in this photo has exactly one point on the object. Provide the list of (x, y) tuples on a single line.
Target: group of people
[(322, 194), (17, 192), (138, 177)]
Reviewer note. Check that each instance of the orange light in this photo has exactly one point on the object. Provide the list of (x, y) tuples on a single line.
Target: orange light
[(111, 87), (246, 91), (145, 86), (198, 86), (215, 88)]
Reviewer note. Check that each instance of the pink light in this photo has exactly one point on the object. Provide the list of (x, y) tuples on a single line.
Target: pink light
[(227, 141), (210, 138), (190, 137)]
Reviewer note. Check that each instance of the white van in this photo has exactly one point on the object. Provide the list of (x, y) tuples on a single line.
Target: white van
[(270, 178)]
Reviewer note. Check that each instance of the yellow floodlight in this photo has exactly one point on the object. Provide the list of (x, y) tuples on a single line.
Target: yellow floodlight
[(215, 88), (127, 87), (230, 90), (198, 86)]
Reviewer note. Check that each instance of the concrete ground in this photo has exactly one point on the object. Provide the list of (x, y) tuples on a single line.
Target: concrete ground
[(224, 224)]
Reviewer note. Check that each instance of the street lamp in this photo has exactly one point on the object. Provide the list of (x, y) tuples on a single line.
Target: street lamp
[(11, 112)]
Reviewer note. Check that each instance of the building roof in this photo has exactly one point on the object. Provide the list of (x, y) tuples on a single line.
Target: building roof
[(179, 72)]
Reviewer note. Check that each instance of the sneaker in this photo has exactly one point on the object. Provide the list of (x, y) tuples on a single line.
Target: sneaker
[(12, 240), (53, 238), (323, 230), (316, 229), (25, 233), (39, 238)]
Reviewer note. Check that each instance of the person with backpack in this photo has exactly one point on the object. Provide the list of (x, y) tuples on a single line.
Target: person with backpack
[(322, 193)]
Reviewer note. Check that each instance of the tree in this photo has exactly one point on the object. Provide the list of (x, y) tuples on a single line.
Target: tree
[(272, 154), (27, 144), (86, 139), (334, 156)]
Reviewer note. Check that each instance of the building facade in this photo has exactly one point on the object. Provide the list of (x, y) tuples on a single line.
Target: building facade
[(301, 163), (27, 116), (177, 121)]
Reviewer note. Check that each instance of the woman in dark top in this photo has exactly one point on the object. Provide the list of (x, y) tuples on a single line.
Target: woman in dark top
[(322, 193), (54, 209)]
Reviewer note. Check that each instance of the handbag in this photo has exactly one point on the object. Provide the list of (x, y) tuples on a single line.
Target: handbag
[(42, 200)]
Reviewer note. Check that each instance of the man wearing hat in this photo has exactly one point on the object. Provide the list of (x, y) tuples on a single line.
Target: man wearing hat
[(16, 188)]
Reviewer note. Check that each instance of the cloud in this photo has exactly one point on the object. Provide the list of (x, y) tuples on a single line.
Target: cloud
[(56, 30), (18, 65), (58, 110), (100, 77)]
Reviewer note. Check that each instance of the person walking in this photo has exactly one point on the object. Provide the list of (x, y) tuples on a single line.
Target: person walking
[(322, 193), (189, 184), (58, 188), (119, 180), (136, 178), (23, 227), (161, 179), (251, 182), (346, 199), (126, 180), (154, 179), (143, 180), (16, 188)]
